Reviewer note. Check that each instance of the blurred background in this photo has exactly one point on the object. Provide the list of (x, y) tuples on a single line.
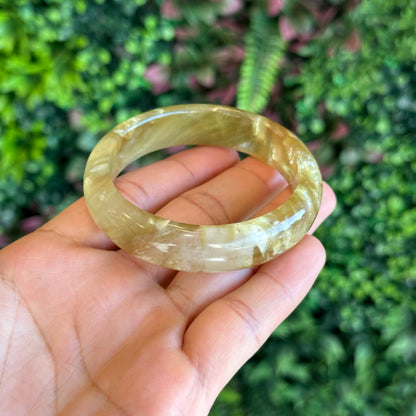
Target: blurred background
[(339, 73)]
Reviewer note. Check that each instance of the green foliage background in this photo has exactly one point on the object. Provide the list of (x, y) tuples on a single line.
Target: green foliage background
[(339, 73)]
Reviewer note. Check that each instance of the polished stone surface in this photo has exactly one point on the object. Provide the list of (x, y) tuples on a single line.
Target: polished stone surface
[(189, 247)]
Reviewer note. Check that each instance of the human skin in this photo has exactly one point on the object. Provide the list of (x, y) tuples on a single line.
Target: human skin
[(86, 329)]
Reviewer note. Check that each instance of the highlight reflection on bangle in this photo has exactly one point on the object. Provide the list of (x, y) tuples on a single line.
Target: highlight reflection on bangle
[(191, 247)]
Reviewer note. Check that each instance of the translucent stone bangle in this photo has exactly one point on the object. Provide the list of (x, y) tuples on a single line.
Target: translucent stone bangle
[(190, 247)]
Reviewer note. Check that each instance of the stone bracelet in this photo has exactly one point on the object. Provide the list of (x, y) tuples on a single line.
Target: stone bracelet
[(191, 247)]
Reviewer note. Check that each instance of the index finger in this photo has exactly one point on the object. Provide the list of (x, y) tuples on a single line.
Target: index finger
[(149, 187)]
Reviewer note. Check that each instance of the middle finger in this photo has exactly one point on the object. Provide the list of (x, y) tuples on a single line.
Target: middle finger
[(192, 292)]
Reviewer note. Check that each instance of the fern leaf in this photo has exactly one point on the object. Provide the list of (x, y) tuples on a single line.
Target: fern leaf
[(265, 49)]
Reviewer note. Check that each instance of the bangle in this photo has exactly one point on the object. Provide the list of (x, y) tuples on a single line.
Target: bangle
[(191, 247)]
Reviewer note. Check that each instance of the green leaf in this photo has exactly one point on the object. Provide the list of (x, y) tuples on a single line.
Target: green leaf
[(264, 51)]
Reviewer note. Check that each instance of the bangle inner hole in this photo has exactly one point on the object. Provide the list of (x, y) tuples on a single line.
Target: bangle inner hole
[(215, 206)]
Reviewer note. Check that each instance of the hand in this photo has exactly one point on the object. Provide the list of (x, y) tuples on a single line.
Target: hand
[(85, 329)]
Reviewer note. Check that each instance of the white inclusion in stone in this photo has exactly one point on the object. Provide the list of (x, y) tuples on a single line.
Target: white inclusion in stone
[(227, 245), (160, 225), (215, 236), (164, 247), (134, 124), (262, 244), (127, 216), (284, 225), (215, 260), (102, 167), (103, 196)]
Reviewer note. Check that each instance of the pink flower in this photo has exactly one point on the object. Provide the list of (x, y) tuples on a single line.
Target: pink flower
[(230, 24), (314, 145), (31, 223), (341, 130), (225, 96), (193, 82), (327, 171), (353, 43), (158, 76), (274, 7), (184, 33), (375, 157), (3, 241), (227, 55), (323, 17), (229, 7), (270, 114), (287, 30), (206, 76), (170, 11)]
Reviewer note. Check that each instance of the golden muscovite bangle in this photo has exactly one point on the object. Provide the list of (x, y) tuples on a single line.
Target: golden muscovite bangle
[(190, 247)]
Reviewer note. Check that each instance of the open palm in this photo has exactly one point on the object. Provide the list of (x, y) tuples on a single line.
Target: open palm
[(85, 329)]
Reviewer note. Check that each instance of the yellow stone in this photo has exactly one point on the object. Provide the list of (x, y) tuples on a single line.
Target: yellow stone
[(207, 248)]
